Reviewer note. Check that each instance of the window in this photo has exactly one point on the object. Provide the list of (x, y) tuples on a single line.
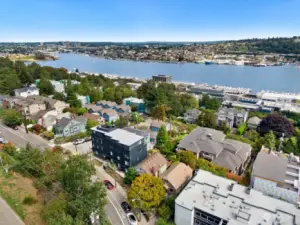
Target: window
[(138, 158), (111, 153), (118, 157), (126, 163)]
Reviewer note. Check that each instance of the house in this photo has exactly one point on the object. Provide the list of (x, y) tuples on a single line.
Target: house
[(10, 101), (93, 108), (231, 117), (84, 100), (277, 174), (26, 91), (211, 144), (92, 116), (109, 115), (154, 165), (139, 103), (51, 104), (176, 177), (68, 127), (213, 200), (253, 122), (122, 109), (124, 148), (156, 124), (29, 107), (106, 104), (191, 115), (50, 118)]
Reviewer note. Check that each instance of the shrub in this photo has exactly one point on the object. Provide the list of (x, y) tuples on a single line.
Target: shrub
[(241, 129), (9, 148), (37, 128), (48, 135), (29, 200)]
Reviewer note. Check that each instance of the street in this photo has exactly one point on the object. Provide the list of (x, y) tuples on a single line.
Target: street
[(113, 207), (7, 215), (20, 138)]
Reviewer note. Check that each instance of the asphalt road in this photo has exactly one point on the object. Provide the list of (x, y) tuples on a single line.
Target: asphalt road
[(20, 138), (8, 216), (113, 208)]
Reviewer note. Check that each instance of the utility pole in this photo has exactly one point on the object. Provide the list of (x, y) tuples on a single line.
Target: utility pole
[(25, 122)]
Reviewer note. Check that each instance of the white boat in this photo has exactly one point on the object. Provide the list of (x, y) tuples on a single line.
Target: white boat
[(240, 63)]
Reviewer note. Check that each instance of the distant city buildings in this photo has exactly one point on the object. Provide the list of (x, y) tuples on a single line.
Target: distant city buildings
[(162, 78)]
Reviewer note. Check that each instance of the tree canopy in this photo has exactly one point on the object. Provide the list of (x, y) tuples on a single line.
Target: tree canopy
[(278, 124), (146, 192), (12, 118)]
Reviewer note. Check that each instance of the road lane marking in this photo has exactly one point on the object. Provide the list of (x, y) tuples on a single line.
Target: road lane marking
[(116, 210)]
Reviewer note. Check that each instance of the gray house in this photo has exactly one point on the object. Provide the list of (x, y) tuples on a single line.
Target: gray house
[(253, 122), (191, 115), (68, 127), (211, 144), (123, 147), (231, 117)]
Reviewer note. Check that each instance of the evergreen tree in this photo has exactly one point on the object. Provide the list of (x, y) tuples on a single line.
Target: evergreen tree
[(25, 78), (8, 81), (45, 87), (162, 140)]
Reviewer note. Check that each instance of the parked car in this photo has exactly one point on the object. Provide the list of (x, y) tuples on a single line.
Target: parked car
[(132, 219), (126, 207), (108, 185), (79, 141)]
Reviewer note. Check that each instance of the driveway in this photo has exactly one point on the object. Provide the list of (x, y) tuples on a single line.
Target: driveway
[(83, 148)]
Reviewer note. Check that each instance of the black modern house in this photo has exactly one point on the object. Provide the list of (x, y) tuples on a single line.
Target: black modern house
[(125, 149)]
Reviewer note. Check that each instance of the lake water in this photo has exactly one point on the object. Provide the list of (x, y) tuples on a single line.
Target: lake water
[(280, 78)]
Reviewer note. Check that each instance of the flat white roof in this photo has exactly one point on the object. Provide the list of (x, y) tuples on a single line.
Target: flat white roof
[(133, 99), (211, 194), (122, 136)]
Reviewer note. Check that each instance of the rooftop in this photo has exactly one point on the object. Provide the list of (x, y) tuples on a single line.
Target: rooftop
[(133, 99), (153, 163), (122, 136), (235, 203)]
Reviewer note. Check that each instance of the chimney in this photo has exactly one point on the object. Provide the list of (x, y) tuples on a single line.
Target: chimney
[(230, 187), (248, 190), (153, 170)]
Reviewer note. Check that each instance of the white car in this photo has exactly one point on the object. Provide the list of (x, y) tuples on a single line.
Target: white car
[(78, 141), (132, 219)]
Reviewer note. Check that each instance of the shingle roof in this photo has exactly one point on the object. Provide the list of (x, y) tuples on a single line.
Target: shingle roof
[(269, 166), (81, 119), (95, 108), (63, 122), (254, 120), (178, 174), (25, 89), (153, 163), (109, 112)]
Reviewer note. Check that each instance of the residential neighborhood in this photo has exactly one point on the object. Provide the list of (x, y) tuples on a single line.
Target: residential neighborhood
[(160, 154)]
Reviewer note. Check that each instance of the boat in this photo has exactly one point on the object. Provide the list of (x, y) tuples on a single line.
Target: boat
[(209, 62)]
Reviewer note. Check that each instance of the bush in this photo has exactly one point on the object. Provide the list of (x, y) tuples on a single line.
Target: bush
[(61, 140), (241, 129), (48, 135), (58, 149), (9, 148), (37, 128), (29, 200)]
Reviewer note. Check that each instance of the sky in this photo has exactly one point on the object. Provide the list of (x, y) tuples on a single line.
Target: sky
[(147, 20)]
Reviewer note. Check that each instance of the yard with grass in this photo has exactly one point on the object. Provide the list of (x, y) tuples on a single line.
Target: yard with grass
[(20, 193)]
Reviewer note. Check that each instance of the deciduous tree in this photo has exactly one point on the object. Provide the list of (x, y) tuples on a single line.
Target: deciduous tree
[(130, 175), (162, 140), (12, 118), (270, 140), (146, 192)]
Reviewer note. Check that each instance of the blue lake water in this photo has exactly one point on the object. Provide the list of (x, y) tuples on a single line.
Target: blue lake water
[(280, 78)]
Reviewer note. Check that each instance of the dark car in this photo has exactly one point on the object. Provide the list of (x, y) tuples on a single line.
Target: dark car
[(126, 207), (109, 185)]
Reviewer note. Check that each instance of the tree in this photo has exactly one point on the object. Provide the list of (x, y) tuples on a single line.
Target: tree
[(146, 192), (95, 95), (167, 208), (242, 128), (83, 196), (133, 108), (109, 94), (270, 140), (161, 221), (45, 87), (188, 101), (278, 124), (288, 146), (72, 99), (122, 121), (210, 102), (25, 78), (188, 158), (130, 175), (162, 139), (81, 111), (12, 118), (159, 112), (8, 81), (59, 96), (90, 124), (207, 119)]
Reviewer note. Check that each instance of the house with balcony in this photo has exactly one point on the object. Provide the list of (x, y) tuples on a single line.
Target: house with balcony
[(139, 103), (231, 117), (277, 174), (212, 145)]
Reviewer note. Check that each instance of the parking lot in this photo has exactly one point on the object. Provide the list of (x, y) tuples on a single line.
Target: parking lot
[(83, 148)]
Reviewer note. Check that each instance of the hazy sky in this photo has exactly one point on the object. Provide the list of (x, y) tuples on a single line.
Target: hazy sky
[(147, 20)]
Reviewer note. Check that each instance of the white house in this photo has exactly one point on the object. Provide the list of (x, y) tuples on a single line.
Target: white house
[(26, 91)]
